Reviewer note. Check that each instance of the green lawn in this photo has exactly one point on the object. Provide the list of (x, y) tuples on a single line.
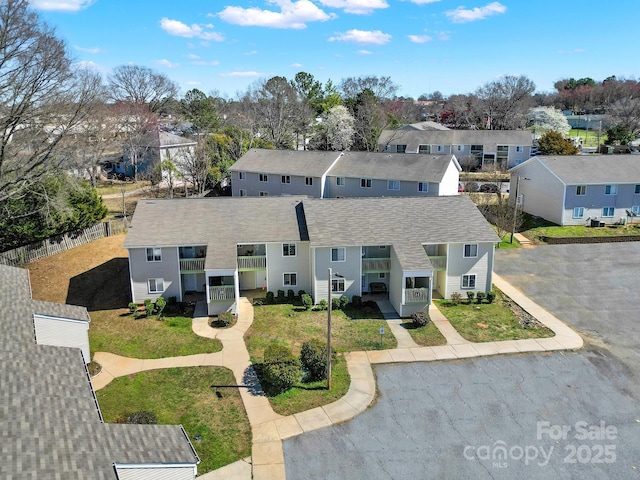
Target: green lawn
[(427, 336), (591, 136), (488, 322), (117, 332), (187, 396), (505, 242), (581, 231)]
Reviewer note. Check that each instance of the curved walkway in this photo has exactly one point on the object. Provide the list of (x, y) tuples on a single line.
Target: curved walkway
[(269, 429)]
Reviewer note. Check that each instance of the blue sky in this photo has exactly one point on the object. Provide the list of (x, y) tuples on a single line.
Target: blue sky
[(453, 46)]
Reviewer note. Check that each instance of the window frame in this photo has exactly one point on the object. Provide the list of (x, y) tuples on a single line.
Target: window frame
[(288, 247), (382, 275), (337, 282), (637, 190), (340, 181), (393, 183), (427, 148), (580, 213), (263, 194), (338, 250), (285, 179), (156, 254), (263, 177), (470, 280), (292, 276), (421, 187), (612, 187), (581, 190), (156, 290), (607, 209), (635, 209), (401, 148), (365, 183), (242, 175), (470, 245), (308, 181), (242, 192)]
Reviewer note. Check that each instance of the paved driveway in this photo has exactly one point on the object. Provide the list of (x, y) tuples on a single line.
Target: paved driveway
[(456, 419)]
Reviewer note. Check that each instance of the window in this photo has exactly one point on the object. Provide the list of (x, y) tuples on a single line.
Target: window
[(387, 148), (286, 178), (610, 189), (382, 275), (460, 148), (469, 281), (156, 285), (423, 187), (424, 148), (608, 211), (581, 190), (365, 182), (242, 175), (477, 150), (154, 254), (519, 149), (242, 192), (337, 285), (263, 177), (288, 249), (471, 250), (578, 212), (340, 181), (637, 190), (440, 148), (393, 184), (290, 279), (308, 181), (502, 154), (338, 254), (401, 148), (382, 247), (264, 194), (635, 209)]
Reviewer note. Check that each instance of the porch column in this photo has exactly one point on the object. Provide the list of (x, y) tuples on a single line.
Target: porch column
[(236, 287)]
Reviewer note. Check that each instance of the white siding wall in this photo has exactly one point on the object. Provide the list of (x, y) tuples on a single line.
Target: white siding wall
[(396, 287), (141, 270), (62, 332), (450, 181), (543, 194), (349, 269), (457, 266), (277, 265)]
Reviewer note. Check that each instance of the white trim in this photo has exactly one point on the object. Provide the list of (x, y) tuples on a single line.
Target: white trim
[(64, 319), (469, 275), (284, 284), (149, 291), (153, 254), (464, 250), (338, 249), (295, 249)]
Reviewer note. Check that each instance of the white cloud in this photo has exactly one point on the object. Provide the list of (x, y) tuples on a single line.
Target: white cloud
[(463, 15), (93, 50), (423, 2), (61, 5), (292, 14), (179, 29), (204, 63), (296, 65), (243, 74), (192, 56), (362, 37), (419, 38), (163, 62), (252, 52), (358, 7), (364, 52)]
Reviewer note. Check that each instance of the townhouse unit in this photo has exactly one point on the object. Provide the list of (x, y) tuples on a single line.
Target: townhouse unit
[(579, 189), (51, 423), (223, 246), (319, 174), (500, 148)]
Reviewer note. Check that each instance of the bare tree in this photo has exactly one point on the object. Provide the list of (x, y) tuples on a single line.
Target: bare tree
[(137, 85), (382, 88), (506, 101), (42, 98), (194, 166)]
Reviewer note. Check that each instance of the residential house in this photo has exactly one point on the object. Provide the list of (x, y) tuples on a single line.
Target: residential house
[(51, 424), (318, 174), (414, 246), (578, 189), (500, 148)]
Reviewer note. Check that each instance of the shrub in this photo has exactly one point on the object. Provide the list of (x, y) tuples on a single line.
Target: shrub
[(456, 297), (160, 304), (269, 298), (148, 307), (343, 302), (313, 357), (470, 296), (291, 295), (133, 307), (480, 297), (491, 297), (356, 301), (172, 300), (420, 319), (281, 370), (301, 293), (143, 417), (307, 301), (225, 319), (323, 304), (335, 304), (280, 297)]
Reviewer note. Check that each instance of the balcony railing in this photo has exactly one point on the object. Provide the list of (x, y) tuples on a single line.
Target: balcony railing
[(416, 295), (254, 262), (374, 265), (191, 265), (221, 294), (439, 263)]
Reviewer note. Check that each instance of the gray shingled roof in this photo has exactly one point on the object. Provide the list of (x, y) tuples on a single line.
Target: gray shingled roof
[(404, 222), (396, 166), (590, 169), (220, 223), (286, 162), (455, 137), (50, 426)]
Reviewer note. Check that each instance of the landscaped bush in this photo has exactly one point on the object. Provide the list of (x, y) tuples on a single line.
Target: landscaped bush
[(133, 307), (280, 297), (225, 319), (281, 370), (160, 304), (291, 295), (480, 297), (172, 300), (470, 296), (322, 305), (307, 301), (491, 296), (143, 417), (149, 307), (313, 357), (270, 298), (356, 301), (335, 304), (455, 298), (301, 293), (343, 302), (420, 319)]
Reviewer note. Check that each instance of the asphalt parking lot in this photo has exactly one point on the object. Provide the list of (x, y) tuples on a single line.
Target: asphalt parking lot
[(555, 415)]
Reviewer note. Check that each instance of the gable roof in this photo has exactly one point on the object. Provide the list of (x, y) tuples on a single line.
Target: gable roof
[(162, 139), (455, 137), (286, 162), (428, 125), (396, 166), (51, 426), (590, 169)]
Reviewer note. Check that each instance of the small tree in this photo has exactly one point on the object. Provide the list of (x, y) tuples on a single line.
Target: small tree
[(491, 297), (553, 143), (281, 369), (456, 297), (323, 304), (133, 307), (420, 319), (470, 296), (307, 301), (480, 297), (148, 307), (313, 357), (160, 304)]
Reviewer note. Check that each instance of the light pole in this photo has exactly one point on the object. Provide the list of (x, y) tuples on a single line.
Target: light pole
[(330, 278), (515, 207)]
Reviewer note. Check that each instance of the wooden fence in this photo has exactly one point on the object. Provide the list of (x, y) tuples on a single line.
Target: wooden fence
[(60, 243)]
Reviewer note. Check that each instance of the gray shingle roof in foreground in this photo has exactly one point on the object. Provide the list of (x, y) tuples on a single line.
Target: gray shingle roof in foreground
[(590, 169), (223, 222), (50, 426)]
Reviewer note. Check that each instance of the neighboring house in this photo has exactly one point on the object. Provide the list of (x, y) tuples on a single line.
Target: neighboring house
[(501, 148), (222, 246), (51, 424), (576, 189), (343, 174)]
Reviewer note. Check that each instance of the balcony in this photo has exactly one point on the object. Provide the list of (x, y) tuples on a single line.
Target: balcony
[(416, 295), (191, 265), (253, 262), (375, 265), (222, 293), (439, 263)]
